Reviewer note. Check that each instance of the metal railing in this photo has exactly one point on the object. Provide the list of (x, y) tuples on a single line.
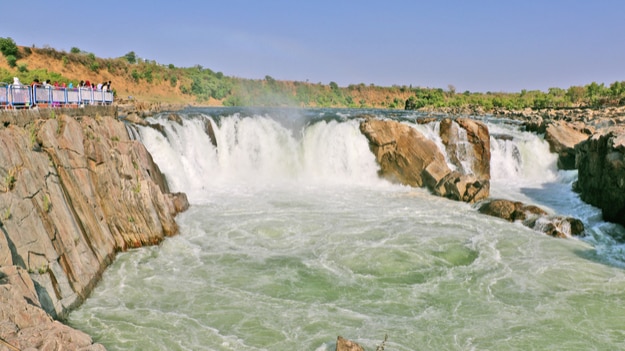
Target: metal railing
[(26, 96), (4, 95)]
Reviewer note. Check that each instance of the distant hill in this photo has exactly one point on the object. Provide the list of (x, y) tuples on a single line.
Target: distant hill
[(150, 81), (147, 80)]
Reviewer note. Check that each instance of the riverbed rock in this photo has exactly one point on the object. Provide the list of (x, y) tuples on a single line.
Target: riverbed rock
[(408, 157), (69, 205), (532, 217), (472, 145), (601, 172), (405, 155), (562, 138), (343, 344)]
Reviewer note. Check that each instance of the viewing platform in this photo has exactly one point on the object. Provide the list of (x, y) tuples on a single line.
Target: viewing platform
[(21, 96)]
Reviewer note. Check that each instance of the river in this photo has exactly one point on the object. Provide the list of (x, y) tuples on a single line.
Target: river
[(292, 239)]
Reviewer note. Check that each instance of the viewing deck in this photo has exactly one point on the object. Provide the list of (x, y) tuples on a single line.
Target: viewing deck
[(20, 96)]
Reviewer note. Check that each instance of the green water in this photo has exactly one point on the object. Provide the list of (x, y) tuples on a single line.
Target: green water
[(292, 240)]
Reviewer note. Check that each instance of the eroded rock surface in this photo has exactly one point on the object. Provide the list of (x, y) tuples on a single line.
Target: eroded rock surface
[(601, 172), (74, 191), (408, 157)]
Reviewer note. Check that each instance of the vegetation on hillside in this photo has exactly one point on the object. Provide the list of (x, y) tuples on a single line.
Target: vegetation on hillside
[(200, 85)]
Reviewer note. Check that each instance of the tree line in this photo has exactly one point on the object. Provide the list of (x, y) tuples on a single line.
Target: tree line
[(202, 84)]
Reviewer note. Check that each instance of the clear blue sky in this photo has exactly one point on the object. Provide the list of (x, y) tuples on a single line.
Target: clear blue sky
[(478, 45)]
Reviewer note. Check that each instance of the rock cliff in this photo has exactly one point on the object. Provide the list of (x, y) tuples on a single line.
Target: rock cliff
[(74, 191), (601, 172)]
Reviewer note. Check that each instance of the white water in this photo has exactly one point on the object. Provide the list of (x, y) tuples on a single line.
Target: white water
[(292, 239)]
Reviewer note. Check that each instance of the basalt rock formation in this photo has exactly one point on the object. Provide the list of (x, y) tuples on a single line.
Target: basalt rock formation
[(601, 172), (74, 191), (408, 157)]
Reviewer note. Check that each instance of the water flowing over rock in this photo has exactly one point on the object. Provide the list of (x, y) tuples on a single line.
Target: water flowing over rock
[(76, 190), (404, 154), (601, 172), (474, 146), (532, 217), (407, 157)]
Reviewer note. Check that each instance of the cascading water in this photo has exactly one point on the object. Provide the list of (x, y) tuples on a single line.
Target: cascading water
[(292, 239)]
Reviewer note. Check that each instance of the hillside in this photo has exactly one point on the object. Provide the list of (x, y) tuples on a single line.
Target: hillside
[(64, 67), (149, 81)]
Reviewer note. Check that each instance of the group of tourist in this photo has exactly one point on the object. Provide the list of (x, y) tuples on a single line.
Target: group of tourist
[(19, 95), (104, 86)]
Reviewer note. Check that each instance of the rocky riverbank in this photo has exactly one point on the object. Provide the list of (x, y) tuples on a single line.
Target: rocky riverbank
[(75, 190), (591, 141)]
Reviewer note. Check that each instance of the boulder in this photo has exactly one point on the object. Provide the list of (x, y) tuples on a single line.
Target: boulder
[(532, 217), (467, 140), (407, 157), (562, 138), (347, 345), (404, 154), (601, 172)]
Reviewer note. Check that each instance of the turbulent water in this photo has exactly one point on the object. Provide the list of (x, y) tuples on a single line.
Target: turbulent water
[(292, 239)]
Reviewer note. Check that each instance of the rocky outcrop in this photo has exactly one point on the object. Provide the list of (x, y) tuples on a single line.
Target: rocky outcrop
[(26, 326), (404, 154), (562, 138), (343, 344), (601, 172), (408, 157), (533, 217), (467, 140), (75, 191)]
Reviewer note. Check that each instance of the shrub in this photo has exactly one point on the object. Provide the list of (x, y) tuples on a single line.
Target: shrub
[(8, 47), (135, 75), (75, 50), (12, 60), (131, 57)]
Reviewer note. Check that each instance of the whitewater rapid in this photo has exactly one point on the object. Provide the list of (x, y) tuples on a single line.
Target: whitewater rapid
[(293, 239)]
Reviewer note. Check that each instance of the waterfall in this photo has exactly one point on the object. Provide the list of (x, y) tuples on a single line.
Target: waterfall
[(258, 151)]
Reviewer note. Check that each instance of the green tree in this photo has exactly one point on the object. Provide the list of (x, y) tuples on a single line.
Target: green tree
[(75, 50), (131, 57), (575, 94), (8, 47)]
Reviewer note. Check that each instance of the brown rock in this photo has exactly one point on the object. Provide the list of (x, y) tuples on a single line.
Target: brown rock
[(404, 154), (25, 325), (66, 210), (347, 345), (533, 217), (562, 139), (601, 172), (478, 137)]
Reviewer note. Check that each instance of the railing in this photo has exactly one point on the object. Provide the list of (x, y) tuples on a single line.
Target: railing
[(20, 96), (26, 96), (4, 95)]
